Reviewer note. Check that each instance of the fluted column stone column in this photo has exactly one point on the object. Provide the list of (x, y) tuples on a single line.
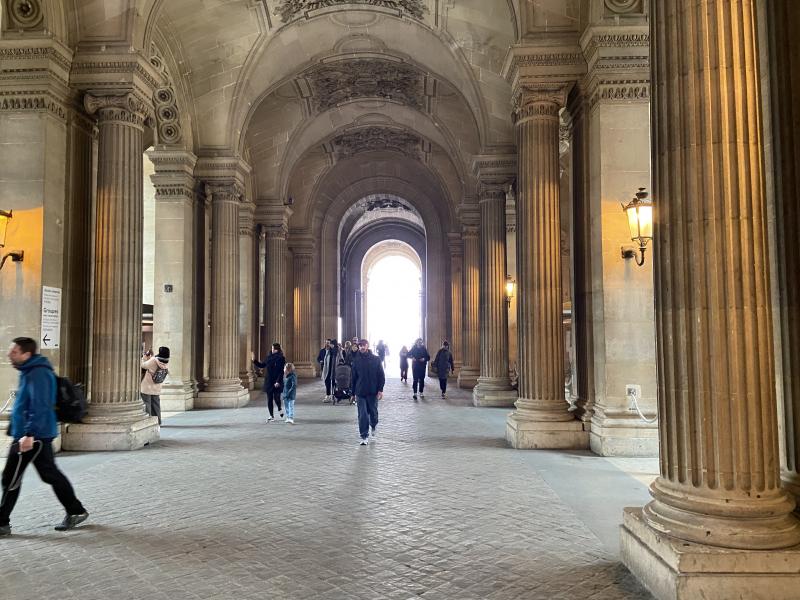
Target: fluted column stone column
[(456, 304), (470, 370), (174, 269), (542, 418), (718, 506), (304, 345), (276, 228), (224, 386), (494, 385), (116, 419), (783, 23), (247, 251)]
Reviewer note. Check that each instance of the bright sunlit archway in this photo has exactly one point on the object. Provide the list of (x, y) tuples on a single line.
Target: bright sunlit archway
[(392, 278)]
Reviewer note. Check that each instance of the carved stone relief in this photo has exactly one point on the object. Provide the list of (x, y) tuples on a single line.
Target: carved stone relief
[(168, 123), (369, 139), (625, 7), (337, 82), (289, 10), (24, 14)]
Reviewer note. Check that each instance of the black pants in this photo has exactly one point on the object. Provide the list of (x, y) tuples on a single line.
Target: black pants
[(274, 396), (443, 384), (45, 463), (328, 383), (419, 379), (404, 373)]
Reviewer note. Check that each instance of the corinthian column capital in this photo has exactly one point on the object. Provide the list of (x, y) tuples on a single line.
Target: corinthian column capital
[(126, 108), (544, 100)]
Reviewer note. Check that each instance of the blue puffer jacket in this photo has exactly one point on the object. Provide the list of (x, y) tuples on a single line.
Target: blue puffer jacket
[(34, 407)]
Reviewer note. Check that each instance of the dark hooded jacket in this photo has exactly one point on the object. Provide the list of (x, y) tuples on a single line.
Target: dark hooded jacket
[(443, 363), (419, 358), (274, 370), (34, 411), (368, 378)]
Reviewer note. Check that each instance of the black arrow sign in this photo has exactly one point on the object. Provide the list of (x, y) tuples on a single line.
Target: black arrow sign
[(46, 339)]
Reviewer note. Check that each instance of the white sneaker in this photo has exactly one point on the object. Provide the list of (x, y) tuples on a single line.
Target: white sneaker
[(421, 396), (270, 419), (372, 434), (290, 421), (364, 441)]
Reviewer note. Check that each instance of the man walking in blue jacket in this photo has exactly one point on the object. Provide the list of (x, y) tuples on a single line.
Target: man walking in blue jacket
[(367, 381), (33, 427)]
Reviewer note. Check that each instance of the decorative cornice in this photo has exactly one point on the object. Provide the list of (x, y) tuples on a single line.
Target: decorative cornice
[(37, 102), (60, 56), (223, 170), (224, 191), (455, 244), (246, 222), (494, 170), (620, 92), (562, 61)]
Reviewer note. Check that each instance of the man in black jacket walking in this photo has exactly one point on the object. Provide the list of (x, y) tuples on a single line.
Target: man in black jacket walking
[(368, 381), (419, 365)]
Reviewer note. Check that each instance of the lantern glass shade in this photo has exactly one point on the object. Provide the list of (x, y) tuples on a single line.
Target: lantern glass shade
[(640, 218), (4, 217), (510, 287)]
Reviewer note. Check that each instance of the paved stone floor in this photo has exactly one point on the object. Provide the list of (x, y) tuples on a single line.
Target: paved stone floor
[(226, 506)]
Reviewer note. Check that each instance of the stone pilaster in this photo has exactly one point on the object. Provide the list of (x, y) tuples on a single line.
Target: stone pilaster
[(718, 501), (783, 22), (116, 419), (542, 418), (470, 370), (174, 269), (275, 219), (247, 251), (305, 352), (224, 180), (614, 105), (456, 247), (494, 386)]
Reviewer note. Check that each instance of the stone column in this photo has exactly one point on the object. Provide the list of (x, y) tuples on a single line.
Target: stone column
[(276, 228), (468, 377), (305, 354), (542, 418), (494, 385), (116, 419), (456, 304), (224, 386), (614, 107), (247, 250), (718, 506), (783, 22), (174, 269)]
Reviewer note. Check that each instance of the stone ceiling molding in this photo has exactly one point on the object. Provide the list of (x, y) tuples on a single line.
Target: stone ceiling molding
[(290, 10), (26, 15), (625, 7), (341, 81), (372, 139), (166, 103)]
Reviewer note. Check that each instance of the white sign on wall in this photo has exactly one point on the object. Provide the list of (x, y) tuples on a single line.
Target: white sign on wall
[(51, 318)]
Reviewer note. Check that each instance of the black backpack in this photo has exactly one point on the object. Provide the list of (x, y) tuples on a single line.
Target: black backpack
[(71, 404)]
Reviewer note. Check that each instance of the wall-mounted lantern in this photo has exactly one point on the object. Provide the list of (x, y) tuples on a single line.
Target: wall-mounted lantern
[(511, 287), (640, 221), (15, 255), (4, 218)]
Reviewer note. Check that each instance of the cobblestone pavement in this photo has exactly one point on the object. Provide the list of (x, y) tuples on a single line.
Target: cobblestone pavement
[(226, 506)]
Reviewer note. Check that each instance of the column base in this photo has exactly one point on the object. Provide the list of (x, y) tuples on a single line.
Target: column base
[(248, 379), (305, 370), (178, 397), (623, 437), (523, 433), (101, 437), (672, 569), (494, 392), (223, 398), (468, 378)]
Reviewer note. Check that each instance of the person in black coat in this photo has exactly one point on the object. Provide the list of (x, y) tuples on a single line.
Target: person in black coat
[(419, 363), (442, 365), (368, 380), (273, 378)]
